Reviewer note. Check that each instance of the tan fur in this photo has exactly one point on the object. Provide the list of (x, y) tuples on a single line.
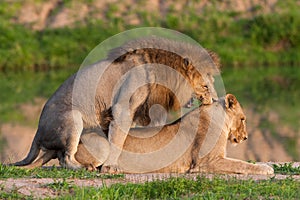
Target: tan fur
[(197, 70), (215, 161), (84, 155), (80, 101), (226, 112)]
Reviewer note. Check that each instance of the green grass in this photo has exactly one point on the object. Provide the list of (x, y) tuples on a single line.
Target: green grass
[(179, 188), (50, 172), (13, 194), (271, 39), (286, 168), (201, 188), (57, 172), (171, 188)]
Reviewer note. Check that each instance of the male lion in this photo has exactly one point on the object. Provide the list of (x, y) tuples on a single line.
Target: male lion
[(223, 120), (134, 77)]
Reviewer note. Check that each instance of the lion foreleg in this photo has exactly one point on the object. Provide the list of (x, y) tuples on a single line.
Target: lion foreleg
[(229, 165), (116, 138), (69, 160)]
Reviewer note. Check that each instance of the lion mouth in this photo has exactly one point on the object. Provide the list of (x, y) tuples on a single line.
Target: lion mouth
[(235, 140)]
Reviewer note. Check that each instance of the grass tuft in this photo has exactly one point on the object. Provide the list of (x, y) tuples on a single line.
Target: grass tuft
[(286, 168)]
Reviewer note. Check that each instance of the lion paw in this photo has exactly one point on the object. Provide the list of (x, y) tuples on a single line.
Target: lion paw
[(69, 163), (111, 169), (266, 169)]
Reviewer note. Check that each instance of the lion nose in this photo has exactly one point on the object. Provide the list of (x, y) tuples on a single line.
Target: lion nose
[(245, 138)]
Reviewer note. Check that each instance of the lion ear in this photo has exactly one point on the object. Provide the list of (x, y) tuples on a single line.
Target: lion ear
[(215, 58), (188, 67), (186, 64), (230, 101)]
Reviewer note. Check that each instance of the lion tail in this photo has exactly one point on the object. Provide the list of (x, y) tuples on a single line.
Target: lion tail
[(32, 155), (46, 157)]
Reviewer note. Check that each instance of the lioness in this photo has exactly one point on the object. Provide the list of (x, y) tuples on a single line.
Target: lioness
[(147, 152), (133, 78)]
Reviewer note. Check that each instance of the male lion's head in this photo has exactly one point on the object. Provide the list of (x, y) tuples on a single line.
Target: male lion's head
[(203, 81), (237, 118), (197, 65)]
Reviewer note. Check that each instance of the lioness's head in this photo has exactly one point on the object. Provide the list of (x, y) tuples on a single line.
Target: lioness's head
[(237, 118)]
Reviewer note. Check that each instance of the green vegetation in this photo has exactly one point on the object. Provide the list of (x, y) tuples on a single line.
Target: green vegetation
[(260, 57), (57, 172), (201, 188), (13, 194), (171, 188), (177, 188), (286, 168), (271, 39), (50, 172)]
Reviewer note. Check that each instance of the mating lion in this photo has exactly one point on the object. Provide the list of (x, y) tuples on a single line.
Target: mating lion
[(154, 150), (134, 77)]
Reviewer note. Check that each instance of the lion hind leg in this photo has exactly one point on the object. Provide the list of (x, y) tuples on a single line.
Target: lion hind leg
[(73, 130), (68, 159)]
